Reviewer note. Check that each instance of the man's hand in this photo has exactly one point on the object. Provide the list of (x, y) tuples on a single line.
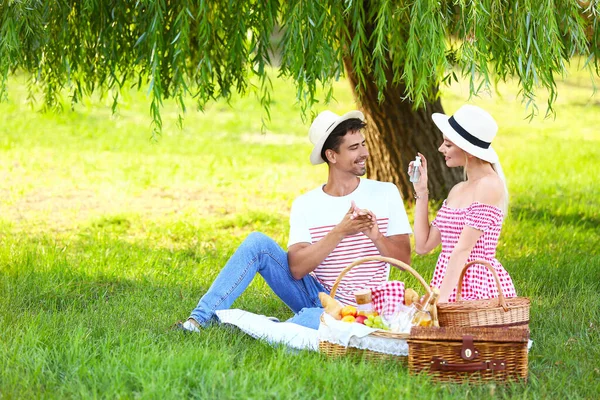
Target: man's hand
[(396, 246), (355, 221), (305, 257), (372, 232)]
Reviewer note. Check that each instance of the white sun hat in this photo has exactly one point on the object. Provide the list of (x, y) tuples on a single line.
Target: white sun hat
[(472, 129), (322, 127)]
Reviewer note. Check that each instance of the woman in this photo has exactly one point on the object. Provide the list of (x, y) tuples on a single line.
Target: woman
[(469, 222)]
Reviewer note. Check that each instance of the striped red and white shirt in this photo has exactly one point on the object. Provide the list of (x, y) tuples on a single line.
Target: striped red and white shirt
[(316, 213)]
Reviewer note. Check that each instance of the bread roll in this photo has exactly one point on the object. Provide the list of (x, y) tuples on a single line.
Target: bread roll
[(410, 296), (331, 305)]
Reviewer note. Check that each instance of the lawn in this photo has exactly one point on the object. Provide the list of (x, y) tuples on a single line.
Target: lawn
[(108, 237)]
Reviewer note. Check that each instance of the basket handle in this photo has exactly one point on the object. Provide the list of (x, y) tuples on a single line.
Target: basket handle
[(388, 260), (501, 299), (438, 364)]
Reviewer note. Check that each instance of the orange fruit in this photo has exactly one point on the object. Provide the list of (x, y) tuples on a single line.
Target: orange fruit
[(349, 310)]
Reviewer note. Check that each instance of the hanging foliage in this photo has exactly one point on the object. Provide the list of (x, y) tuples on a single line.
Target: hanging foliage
[(205, 50), (210, 49)]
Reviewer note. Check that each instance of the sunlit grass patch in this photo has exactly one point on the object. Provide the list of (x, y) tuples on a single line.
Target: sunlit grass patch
[(109, 237)]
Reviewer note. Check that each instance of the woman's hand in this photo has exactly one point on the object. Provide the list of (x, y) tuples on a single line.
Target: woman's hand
[(421, 186)]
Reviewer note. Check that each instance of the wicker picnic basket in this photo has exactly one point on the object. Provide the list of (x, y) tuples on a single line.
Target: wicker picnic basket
[(499, 313), (476, 354), (336, 350)]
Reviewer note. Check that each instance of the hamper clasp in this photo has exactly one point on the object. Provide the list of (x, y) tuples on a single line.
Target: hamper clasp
[(468, 351)]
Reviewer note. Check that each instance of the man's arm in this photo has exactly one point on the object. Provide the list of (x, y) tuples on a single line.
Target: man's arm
[(397, 243), (306, 257), (395, 246)]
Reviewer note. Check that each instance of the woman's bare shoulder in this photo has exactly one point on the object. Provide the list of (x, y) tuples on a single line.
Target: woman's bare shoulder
[(456, 188), (489, 190)]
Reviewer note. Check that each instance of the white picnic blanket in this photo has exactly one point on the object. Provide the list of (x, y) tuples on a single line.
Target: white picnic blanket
[(261, 327), (300, 337)]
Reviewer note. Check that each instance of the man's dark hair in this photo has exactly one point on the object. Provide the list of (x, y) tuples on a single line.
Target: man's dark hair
[(335, 137)]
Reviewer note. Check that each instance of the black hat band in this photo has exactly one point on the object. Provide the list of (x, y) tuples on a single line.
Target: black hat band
[(467, 136)]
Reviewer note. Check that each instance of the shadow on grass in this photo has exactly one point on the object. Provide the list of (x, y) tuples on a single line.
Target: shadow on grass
[(548, 215), (560, 205), (98, 272)]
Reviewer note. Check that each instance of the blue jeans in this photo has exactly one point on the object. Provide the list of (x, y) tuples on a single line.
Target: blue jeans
[(260, 254)]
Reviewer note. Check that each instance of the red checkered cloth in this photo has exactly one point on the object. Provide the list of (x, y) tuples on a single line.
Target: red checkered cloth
[(387, 297)]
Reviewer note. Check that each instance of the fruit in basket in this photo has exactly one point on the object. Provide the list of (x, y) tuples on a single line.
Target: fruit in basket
[(376, 322), (348, 318), (361, 319), (349, 310), (331, 305), (379, 323)]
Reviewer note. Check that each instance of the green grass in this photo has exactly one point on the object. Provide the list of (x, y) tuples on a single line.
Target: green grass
[(108, 237)]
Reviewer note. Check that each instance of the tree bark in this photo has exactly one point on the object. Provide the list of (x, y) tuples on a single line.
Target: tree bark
[(396, 131), (394, 134)]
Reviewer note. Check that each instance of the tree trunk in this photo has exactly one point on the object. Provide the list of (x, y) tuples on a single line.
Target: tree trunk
[(394, 134)]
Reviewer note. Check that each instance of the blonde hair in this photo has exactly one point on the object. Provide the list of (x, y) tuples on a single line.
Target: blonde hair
[(498, 168)]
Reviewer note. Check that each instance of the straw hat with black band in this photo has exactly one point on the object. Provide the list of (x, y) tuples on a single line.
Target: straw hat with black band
[(472, 129)]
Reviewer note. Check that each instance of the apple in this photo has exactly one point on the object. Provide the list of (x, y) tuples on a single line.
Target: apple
[(361, 319)]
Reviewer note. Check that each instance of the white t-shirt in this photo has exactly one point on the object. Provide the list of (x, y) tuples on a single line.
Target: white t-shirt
[(315, 213)]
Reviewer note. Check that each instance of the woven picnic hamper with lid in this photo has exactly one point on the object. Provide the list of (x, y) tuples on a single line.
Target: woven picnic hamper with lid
[(498, 312), (333, 349), (476, 354)]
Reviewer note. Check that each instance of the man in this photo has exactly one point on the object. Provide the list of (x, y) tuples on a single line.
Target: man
[(328, 230)]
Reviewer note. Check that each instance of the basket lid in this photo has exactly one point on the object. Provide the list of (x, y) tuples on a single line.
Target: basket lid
[(479, 334), (483, 304)]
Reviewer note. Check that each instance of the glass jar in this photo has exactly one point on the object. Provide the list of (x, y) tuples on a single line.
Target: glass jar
[(422, 317), (364, 302)]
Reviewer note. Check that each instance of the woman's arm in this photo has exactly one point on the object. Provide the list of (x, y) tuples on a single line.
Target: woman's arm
[(468, 237), (427, 237)]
